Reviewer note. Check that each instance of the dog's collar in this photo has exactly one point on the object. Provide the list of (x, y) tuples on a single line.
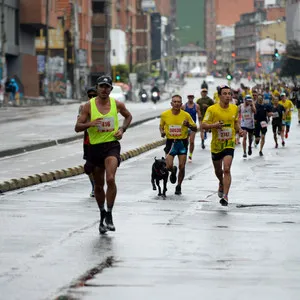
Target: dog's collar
[(159, 171)]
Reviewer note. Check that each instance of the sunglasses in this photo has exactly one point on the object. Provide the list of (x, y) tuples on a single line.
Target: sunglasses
[(90, 96)]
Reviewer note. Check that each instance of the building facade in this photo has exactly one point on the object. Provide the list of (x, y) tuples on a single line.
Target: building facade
[(216, 15), (192, 58), (293, 20), (224, 48), (246, 36), (20, 29), (275, 13), (190, 20), (69, 50), (275, 30)]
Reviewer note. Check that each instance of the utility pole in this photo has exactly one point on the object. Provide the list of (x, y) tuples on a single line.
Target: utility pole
[(107, 64), (3, 42), (76, 34), (46, 79), (130, 46)]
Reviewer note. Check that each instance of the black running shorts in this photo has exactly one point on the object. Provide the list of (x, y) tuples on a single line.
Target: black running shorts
[(99, 152), (222, 154)]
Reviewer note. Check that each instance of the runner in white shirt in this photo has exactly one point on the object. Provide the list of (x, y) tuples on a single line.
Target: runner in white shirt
[(247, 111)]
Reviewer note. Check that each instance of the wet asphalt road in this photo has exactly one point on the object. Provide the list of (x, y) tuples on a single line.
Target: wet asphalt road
[(181, 246)]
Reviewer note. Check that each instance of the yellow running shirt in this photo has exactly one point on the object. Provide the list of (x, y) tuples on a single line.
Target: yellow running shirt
[(288, 106), (172, 124), (225, 137)]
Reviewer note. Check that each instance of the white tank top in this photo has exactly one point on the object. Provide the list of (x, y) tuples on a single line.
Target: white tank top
[(247, 120)]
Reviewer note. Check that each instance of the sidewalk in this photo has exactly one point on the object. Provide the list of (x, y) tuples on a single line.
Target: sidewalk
[(31, 128)]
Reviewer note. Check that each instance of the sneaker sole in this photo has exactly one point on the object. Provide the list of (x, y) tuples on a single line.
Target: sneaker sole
[(110, 229), (223, 202), (103, 231)]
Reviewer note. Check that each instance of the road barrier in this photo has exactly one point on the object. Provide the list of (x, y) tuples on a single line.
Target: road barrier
[(18, 183)]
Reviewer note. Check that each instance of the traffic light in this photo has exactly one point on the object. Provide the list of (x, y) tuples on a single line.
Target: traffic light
[(259, 65), (229, 76), (233, 55), (215, 62), (118, 77), (276, 55)]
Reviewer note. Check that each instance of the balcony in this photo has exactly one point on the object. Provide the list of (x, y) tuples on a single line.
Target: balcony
[(33, 14)]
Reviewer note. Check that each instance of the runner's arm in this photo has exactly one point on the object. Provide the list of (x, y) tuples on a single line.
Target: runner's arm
[(82, 123), (125, 113), (162, 127), (199, 113), (191, 124)]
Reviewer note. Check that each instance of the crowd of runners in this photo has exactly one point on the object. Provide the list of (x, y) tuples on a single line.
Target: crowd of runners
[(233, 117)]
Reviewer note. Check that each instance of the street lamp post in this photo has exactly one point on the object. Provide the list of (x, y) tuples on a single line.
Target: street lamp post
[(3, 42)]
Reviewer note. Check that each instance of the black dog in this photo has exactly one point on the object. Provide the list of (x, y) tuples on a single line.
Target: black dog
[(159, 172)]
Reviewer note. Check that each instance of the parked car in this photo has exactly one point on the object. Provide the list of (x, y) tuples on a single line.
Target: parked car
[(210, 79), (118, 94)]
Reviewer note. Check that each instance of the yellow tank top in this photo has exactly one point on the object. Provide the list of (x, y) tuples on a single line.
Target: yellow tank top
[(109, 125)]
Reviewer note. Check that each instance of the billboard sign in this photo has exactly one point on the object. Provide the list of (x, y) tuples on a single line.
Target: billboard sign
[(148, 6)]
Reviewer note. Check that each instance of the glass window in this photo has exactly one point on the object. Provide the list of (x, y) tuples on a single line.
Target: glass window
[(98, 7)]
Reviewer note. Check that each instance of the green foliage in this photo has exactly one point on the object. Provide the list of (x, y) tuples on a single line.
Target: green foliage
[(123, 72), (142, 76), (291, 65)]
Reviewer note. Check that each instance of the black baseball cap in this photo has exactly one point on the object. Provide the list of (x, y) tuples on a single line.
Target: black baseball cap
[(92, 90), (105, 79)]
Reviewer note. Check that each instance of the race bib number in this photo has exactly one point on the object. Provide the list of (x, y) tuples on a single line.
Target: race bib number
[(263, 124), (106, 125), (275, 114), (225, 134), (175, 130), (247, 116)]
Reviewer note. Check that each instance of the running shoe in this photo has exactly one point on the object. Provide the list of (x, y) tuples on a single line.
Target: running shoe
[(244, 155), (173, 177), (283, 143), (102, 227), (178, 190), (260, 153), (276, 145), (109, 222), (92, 194), (190, 159), (224, 201), (249, 151)]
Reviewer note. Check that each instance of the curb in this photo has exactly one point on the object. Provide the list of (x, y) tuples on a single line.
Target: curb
[(18, 183), (65, 140)]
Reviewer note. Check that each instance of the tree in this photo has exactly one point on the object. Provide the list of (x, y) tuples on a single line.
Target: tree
[(291, 61)]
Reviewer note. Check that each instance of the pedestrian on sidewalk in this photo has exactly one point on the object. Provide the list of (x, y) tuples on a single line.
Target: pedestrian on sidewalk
[(222, 119), (91, 93), (100, 118)]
